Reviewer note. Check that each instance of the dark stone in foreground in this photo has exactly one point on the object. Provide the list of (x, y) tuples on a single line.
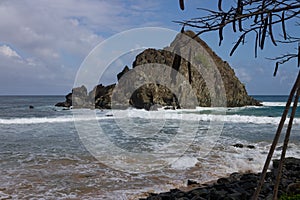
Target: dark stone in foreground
[(191, 182), (242, 186)]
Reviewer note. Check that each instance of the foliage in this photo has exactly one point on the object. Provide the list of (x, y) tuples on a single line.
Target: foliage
[(290, 197), (253, 16), (200, 58)]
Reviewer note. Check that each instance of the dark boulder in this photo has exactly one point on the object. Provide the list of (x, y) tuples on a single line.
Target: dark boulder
[(238, 145), (250, 146), (191, 182), (62, 104)]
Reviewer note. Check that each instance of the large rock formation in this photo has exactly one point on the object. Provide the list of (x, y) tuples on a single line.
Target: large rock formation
[(184, 75)]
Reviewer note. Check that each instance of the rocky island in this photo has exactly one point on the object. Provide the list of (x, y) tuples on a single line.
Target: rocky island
[(153, 94)]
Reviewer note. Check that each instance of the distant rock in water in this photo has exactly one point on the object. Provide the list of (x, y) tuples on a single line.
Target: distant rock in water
[(149, 89), (239, 145), (67, 102)]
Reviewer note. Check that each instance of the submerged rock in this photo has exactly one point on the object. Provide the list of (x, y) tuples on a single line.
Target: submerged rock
[(239, 145), (191, 182)]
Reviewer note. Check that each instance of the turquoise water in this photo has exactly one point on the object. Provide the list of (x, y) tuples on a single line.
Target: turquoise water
[(47, 152)]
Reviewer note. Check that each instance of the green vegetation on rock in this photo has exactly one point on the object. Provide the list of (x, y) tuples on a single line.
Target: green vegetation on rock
[(290, 197), (201, 59)]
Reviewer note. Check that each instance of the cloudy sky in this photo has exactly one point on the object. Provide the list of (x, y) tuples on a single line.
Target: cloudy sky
[(44, 42)]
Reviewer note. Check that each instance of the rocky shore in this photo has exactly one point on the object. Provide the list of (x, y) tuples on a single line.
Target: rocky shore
[(239, 186), (204, 80)]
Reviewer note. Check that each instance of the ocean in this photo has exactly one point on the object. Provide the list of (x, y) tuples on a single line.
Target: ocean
[(51, 153)]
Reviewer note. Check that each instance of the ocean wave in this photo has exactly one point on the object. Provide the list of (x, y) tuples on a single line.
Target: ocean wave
[(265, 104), (37, 120), (184, 115), (244, 119), (274, 104), (228, 159), (193, 115)]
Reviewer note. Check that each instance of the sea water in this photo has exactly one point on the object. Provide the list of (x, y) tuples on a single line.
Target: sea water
[(44, 153)]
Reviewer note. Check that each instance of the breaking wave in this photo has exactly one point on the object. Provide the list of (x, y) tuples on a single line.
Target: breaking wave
[(185, 115)]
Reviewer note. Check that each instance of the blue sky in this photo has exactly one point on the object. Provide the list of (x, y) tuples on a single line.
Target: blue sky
[(43, 43)]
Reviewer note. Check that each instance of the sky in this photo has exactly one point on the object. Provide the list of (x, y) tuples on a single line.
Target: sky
[(43, 43)]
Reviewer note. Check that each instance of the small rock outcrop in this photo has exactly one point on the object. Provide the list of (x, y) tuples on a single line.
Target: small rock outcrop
[(180, 85), (99, 97), (67, 103)]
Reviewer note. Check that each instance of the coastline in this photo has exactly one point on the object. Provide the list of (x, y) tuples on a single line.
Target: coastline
[(239, 185)]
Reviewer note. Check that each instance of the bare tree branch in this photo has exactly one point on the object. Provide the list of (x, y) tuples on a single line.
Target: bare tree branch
[(246, 16)]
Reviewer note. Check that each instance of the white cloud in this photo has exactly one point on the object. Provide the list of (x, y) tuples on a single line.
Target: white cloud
[(54, 33), (9, 52)]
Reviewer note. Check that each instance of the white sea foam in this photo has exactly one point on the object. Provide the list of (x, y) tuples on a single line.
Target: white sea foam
[(244, 159), (192, 115), (275, 104), (184, 163), (225, 159), (41, 120), (35, 120), (155, 115), (4, 196), (244, 119)]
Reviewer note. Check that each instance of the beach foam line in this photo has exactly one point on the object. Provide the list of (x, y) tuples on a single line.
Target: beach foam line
[(268, 104), (275, 104), (245, 119), (36, 120), (192, 115), (157, 115)]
